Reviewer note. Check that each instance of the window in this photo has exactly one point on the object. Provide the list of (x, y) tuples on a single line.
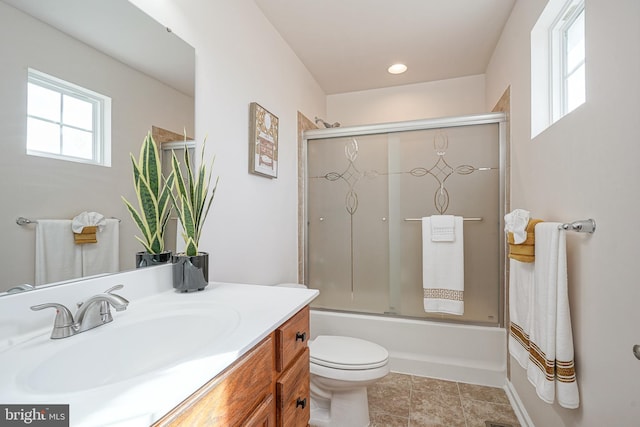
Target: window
[(558, 83), (568, 40), (66, 121)]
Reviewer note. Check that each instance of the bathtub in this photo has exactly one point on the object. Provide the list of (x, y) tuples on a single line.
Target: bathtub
[(455, 352)]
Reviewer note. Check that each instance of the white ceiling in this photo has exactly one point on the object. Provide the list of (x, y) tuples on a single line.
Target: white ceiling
[(347, 45), (121, 30)]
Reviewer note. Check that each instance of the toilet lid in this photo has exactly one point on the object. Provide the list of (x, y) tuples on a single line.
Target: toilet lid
[(347, 353)]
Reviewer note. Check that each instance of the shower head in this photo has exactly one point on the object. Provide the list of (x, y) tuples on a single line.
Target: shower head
[(327, 125)]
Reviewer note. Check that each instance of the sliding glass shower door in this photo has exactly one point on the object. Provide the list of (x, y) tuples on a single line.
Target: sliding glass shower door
[(366, 195)]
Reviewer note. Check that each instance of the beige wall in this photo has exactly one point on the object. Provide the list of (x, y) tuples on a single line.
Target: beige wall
[(452, 97), (251, 232), (38, 187), (584, 166)]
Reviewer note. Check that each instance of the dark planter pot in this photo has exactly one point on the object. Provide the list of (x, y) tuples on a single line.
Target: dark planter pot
[(190, 273), (145, 259)]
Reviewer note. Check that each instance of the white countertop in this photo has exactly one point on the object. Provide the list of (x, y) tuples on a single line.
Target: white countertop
[(146, 397)]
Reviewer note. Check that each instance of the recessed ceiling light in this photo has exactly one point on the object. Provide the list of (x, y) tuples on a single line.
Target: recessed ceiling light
[(397, 69)]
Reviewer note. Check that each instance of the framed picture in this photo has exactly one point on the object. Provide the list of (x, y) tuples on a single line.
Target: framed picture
[(263, 142)]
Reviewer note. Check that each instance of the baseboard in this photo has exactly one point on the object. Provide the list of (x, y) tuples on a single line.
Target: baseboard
[(517, 405), (464, 370)]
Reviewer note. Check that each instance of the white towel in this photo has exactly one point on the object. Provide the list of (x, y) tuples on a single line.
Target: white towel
[(86, 219), (58, 258), (442, 228), (551, 366), (516, 222), (521, 282), (103, 256), (443, 270)]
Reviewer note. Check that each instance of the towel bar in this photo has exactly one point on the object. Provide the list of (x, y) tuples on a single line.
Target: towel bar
[(582, 226), (25, 221)]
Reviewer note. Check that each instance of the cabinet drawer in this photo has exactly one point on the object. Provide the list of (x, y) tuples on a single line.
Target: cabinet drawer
[(292, 391), (226, 400), (291, 338)]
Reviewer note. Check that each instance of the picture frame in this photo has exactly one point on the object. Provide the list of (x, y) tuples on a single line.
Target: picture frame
[(263, 141)]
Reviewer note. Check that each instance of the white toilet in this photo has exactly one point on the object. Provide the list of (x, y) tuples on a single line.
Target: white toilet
[(341, 369)]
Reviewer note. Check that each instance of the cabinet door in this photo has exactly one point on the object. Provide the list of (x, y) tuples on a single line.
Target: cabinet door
[(228, 398), (291, 338), (263, 416), (292, 391)]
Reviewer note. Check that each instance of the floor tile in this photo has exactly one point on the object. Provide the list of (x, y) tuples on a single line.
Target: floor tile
[(477, 412), (434, 385), (386, 420), (483, 393), (435, 409), (400, 400), (389, 400)]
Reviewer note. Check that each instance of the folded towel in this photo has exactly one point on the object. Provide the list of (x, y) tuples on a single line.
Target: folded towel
[(104, 256), (87, 235), (551, 366), (442, 228), (443, 270), (85, 226), (57, 257), (87, 219), (516, 222), (521, 282), (525, 251)]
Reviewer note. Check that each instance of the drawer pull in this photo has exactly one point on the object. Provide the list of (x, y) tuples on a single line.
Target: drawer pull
[(301, 402), (301, 336)]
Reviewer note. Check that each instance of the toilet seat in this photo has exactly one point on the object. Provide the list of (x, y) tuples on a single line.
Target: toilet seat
[(347, 353)]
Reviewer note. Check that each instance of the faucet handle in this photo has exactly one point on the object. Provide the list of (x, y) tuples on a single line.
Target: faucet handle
[(63, 323), (114, 288), (121, 299)]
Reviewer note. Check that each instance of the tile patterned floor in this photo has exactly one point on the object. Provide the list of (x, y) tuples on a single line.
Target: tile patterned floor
[(410, 401)]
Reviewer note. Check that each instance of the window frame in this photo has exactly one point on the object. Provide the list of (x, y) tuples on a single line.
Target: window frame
[(101, 119), (559, 54), (549, 88)]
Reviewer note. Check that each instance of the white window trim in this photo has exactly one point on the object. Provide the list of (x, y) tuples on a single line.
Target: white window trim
[(545, 105), (101, 117), (558, 48)]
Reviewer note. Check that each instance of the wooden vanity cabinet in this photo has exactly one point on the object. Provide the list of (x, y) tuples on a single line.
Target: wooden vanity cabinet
[(292, 366), (232, 396), (267, 387)]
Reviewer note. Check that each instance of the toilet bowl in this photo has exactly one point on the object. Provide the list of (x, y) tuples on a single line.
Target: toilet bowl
[(341, 369)]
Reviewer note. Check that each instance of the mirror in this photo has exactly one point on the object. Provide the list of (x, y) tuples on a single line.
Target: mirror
[(110, 47)]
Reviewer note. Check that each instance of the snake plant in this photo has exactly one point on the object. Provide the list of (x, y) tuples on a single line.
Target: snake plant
[(193, 198), (154, 197)]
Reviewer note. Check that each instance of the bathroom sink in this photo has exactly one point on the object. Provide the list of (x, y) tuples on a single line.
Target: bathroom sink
[(148, 340)]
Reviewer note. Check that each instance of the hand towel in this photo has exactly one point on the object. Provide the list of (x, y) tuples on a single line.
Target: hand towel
[(442, 228), (104, 256), (443, 270), (525, 251), (86, 219), (57, 257), (521, 282), (551, 366), (516, 222), (85, 227)]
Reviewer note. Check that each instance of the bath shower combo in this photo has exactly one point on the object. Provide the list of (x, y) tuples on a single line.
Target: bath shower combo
[(365, 187)]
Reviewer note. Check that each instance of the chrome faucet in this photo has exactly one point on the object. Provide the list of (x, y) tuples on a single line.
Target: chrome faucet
[(91, 313)]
